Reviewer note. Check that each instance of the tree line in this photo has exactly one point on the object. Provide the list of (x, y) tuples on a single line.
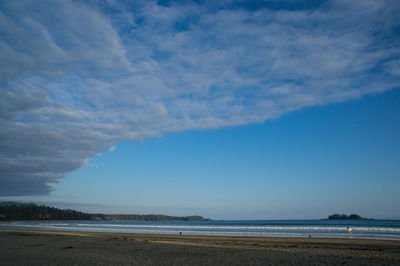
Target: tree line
[(33, 211), (40, 212)]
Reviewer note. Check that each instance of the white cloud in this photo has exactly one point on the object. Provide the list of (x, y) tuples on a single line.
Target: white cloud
[(76, 79)]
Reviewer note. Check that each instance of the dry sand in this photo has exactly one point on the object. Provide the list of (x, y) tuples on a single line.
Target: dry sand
[(77, 248)]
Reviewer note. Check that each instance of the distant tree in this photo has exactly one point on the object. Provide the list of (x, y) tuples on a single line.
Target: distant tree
[(337, 216)]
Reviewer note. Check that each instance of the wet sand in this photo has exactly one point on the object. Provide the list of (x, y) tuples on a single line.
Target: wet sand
[(81, 248)]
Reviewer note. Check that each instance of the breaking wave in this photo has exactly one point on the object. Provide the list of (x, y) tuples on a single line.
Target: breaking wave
[(371, 230)]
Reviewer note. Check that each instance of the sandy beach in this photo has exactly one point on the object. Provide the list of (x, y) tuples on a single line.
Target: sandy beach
[(84, 248)]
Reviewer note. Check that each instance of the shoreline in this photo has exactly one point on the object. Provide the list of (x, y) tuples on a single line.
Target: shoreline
[(380, 231), (316, 239), (28, 247)]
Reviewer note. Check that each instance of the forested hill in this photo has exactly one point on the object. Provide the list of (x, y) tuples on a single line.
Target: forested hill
[(39, 212), (14, 212)]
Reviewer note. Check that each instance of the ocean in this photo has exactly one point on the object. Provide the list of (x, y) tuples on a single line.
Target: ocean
[(361, 229)]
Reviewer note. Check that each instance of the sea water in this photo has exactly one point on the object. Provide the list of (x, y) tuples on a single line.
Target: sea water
[(365, 229)]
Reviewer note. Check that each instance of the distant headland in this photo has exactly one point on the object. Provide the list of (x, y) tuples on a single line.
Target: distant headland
[(337, 216), (14, 211)]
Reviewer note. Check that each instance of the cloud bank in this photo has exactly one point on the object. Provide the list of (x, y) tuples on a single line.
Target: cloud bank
[(77, 77)]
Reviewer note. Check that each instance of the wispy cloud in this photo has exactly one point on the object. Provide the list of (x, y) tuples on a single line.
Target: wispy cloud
[(78, 78)]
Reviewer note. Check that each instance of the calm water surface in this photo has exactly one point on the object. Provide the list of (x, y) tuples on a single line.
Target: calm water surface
[(367, 229)]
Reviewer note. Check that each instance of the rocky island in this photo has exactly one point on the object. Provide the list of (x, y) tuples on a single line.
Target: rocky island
[(337, 216)]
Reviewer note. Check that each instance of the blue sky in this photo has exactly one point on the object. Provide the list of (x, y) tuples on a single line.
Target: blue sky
[(235, 110), (307, 164)]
